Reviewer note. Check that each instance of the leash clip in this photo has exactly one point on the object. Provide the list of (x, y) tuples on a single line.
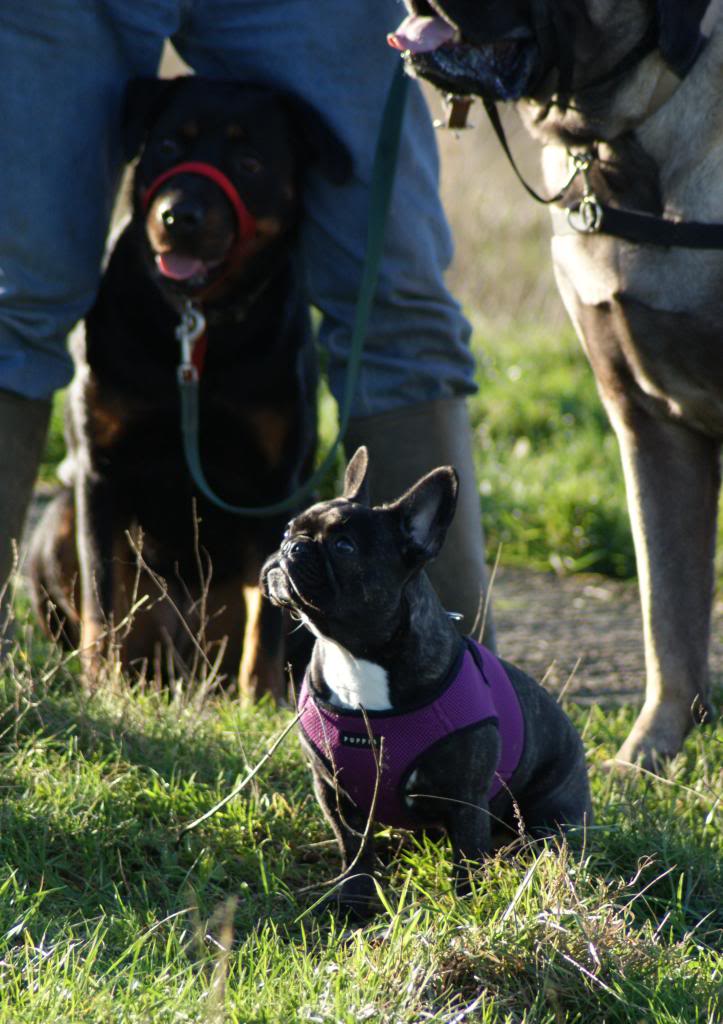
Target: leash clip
[(585, 218), (456, 110), (190, 329)]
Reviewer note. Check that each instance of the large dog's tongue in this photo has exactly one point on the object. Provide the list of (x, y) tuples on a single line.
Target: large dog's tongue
[(178, 267), (421, 35)]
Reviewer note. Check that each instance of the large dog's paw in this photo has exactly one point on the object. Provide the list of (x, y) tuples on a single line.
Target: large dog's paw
[(659, 732)]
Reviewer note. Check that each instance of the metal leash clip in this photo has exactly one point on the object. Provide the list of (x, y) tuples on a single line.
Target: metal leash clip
[(456, 110), (190, 329), (585, 218)]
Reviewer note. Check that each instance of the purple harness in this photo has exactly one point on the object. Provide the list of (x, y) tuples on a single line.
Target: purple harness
[(479, 691)]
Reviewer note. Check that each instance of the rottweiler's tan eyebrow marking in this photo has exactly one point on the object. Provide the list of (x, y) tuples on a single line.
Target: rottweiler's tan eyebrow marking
[(190, 130)]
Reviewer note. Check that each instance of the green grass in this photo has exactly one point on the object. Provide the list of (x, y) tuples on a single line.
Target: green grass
[(109, 914), (547, 460)]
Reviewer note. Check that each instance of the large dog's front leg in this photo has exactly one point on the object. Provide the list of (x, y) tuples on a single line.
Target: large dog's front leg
[(94, 541), (672, 482)]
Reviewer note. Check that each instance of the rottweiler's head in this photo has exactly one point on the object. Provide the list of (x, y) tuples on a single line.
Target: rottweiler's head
[(220, 174)]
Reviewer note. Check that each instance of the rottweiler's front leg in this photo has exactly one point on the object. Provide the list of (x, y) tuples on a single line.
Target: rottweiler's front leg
[(262, 658), (356, 893), (94, 543)]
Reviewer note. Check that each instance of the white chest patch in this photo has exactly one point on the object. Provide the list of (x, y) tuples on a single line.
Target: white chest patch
[(353, 681)]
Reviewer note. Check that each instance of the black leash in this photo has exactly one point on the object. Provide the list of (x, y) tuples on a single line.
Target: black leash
[(193, 323), (646, 229), (588, 215)]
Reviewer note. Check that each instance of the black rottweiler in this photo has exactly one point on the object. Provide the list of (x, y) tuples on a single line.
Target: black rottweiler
[(216, 205)]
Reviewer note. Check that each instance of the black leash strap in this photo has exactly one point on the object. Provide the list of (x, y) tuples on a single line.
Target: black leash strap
[(496, 121), (383, 175), (588, 216), (646, 229)]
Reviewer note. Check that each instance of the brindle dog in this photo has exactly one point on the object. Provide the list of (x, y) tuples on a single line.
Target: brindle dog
[(638, 83)]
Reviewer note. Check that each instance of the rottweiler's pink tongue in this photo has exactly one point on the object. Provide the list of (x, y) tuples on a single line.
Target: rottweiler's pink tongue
[(177, 267), (420, 34)]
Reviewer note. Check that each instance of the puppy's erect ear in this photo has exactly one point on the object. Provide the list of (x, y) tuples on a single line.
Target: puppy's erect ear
[(317, 142), (425, 513), (356, 487), (144, 98)]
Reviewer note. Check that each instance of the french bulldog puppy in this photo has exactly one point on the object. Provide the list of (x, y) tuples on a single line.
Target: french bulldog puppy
[(404, 720)]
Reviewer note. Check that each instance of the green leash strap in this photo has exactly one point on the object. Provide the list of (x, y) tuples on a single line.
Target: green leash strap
[(383, 172)]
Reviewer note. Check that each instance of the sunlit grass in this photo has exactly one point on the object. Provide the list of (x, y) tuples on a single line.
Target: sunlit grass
[(109, 911)]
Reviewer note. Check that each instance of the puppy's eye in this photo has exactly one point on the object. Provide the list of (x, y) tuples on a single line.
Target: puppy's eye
[(344, 545), (249, 164)]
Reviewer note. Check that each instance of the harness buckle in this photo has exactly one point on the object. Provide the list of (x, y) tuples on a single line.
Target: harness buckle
[(587, 216)]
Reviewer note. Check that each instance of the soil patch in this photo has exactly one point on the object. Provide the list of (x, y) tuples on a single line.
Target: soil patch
[(584, 629)]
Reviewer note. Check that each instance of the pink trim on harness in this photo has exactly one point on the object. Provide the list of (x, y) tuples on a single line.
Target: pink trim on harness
[(480, 691)]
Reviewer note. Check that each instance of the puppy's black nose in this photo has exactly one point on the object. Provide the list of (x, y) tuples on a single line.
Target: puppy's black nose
[(184, 216), (294, 547)]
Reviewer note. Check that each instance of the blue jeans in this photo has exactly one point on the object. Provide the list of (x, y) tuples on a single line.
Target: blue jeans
[(64, 65)]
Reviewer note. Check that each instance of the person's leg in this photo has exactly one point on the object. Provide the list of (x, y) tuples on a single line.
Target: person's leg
[(63, 68), (417, 366), (420, 438)]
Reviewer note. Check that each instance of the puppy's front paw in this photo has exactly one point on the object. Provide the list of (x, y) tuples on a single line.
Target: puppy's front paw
[(354, 900)]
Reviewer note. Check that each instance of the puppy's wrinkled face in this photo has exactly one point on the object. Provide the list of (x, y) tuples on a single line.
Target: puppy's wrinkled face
[(341, 569), (191, 228), (344, 567)]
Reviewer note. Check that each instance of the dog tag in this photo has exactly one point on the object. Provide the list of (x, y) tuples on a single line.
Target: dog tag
[(456, 111)]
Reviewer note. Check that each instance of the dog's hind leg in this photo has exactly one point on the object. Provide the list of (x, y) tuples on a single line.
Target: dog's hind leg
[(672, 479), (549, 809), (52, 570)]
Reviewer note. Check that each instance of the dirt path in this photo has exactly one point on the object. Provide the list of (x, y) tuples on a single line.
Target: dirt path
[(549, 625)]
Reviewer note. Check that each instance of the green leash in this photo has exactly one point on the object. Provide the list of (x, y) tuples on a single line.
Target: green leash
[(383, 172)]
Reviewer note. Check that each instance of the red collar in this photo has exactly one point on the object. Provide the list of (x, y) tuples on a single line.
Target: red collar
[(245, 220)]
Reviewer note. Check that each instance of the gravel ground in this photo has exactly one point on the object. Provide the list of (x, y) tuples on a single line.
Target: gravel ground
[(585, 627)]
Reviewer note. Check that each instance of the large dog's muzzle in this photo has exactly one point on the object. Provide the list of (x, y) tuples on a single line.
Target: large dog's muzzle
[(503, 50)]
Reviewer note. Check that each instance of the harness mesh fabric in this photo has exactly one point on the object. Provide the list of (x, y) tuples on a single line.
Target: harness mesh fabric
[(479, 690)]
